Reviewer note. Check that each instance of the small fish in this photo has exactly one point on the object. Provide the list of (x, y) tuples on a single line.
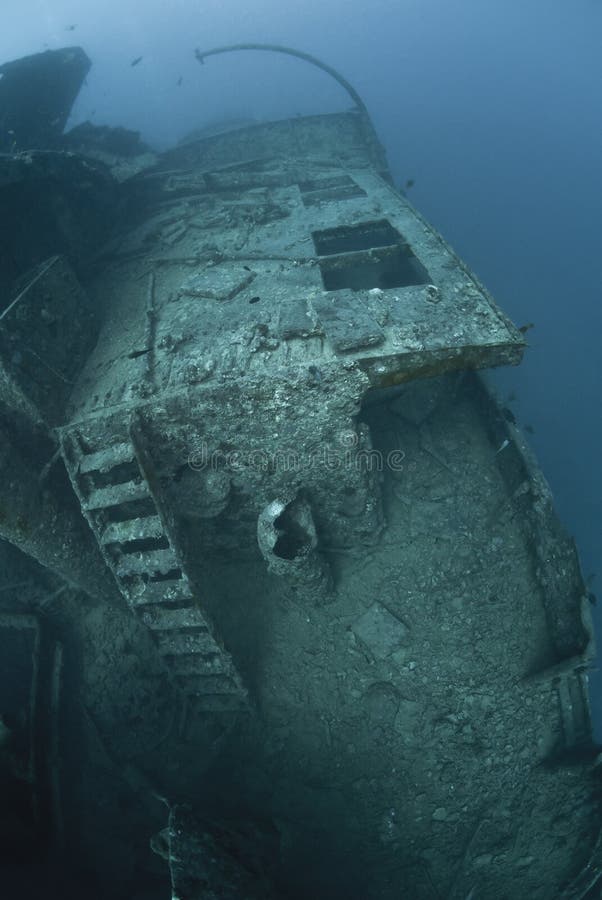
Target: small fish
[(502, 446), (135, 62), (70, 27), (524, 328), (529, 429), (179, 81), (409, 183)]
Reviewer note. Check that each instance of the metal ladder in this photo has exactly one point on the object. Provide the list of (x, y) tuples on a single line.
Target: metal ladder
[(119, 493)]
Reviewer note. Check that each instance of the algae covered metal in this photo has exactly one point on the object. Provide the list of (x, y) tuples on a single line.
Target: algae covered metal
[(329, 585)]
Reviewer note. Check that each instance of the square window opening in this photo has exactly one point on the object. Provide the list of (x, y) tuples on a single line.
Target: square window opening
[(390, 268), (351, 238)]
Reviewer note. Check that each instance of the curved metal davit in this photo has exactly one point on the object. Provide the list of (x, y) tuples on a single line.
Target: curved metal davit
[(278, 48)]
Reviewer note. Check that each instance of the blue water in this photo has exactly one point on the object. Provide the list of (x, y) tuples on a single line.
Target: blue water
[(492, 108)]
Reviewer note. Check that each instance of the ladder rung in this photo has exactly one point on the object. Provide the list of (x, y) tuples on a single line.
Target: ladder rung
[(174, 643), (168, 619), (132, 530), (106, 459), (171, 590), (115, 495), (146, 563), (193, 665)]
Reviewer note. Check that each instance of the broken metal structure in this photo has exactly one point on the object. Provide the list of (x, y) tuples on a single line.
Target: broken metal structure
[(30, 695), (288, 484)]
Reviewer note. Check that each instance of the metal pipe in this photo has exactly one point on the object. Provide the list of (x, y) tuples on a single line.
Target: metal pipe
[(278, 48)]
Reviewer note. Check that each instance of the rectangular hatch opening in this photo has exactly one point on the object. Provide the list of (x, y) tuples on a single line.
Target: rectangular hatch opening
[(368, 255), (321, 190)]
